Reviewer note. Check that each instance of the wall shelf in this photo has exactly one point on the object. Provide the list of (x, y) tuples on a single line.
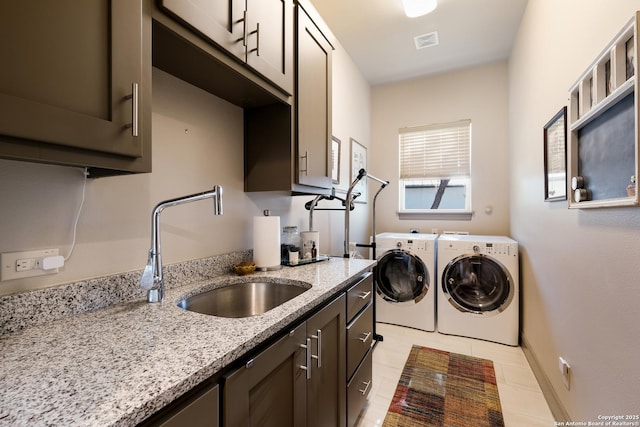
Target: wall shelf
[(603, 126)]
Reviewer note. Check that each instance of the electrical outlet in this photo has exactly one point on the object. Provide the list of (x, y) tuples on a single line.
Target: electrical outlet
[(25, 264), (19, 265), (565, 371)]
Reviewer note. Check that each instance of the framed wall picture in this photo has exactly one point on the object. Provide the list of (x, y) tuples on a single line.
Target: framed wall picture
[(335, 160), (555, 157), (358, 161), (630, 48)]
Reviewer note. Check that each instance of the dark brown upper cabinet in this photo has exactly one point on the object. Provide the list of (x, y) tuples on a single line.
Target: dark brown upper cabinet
[(313, 102), (256, 32), (289, 150), (75, 85)]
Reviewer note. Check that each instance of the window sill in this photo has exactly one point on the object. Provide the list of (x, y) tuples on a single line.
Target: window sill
[(444, 215)]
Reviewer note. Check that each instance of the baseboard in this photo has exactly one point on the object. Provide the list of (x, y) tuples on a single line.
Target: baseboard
[(556, 407)]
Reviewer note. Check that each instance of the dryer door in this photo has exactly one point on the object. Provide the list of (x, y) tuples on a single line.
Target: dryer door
[(478, 284), (401, 277)]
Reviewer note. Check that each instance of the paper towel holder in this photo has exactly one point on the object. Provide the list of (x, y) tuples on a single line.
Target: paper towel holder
[(278, 265)]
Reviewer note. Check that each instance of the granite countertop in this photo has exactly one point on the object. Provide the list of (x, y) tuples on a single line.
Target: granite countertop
[(118, 365)]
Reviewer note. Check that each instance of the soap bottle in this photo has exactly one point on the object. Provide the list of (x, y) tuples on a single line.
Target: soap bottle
[(314, 251)]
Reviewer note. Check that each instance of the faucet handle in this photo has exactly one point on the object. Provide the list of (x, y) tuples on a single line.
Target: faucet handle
[(217, 200)]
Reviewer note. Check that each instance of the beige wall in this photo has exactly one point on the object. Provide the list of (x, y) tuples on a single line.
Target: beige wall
[(197, 142), (579, 267), (479, 94)]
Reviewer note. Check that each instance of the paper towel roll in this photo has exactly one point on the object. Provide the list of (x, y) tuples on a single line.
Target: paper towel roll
[(308, 239), (266, 242)]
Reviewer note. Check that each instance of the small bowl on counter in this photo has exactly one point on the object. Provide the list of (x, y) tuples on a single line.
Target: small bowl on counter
[(243, 268)]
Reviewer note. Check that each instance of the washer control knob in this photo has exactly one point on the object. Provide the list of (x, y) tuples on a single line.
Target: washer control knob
[(476, 248), (399, 244)]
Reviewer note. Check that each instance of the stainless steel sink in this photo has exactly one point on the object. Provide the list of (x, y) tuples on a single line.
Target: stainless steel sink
[(241, 299)]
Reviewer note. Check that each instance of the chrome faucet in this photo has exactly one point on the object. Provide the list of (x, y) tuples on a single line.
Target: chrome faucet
[(152, 279), (349, 199)]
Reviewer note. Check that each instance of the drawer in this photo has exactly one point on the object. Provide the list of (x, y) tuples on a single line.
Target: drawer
[(359, 295), (358, 389), (359, 339)]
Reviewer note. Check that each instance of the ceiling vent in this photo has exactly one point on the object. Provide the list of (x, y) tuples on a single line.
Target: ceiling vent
[(426, 40)]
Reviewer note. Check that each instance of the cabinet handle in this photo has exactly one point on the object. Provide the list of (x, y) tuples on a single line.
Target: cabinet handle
[(318, 357), (366, 337), (134, 97), (366, 387), (307, 351), (243, 39), (306, 163), (257, 33), (365, 295)]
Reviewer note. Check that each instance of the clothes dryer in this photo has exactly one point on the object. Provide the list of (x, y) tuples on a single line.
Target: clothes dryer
[(405, 280), (478, 292)]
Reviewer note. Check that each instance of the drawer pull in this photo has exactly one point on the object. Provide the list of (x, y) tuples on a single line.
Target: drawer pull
[(318, 357), (366, 387), (366, 337), (307, 351), (365, 295)]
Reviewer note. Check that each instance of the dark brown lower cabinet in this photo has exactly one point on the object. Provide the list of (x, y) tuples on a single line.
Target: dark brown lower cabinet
[(200, 408), (297, 381)]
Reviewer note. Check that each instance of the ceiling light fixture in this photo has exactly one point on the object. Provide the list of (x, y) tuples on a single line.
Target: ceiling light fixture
[(415, 8)]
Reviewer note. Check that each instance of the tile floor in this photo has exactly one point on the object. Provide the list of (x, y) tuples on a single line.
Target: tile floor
[(523, 404)]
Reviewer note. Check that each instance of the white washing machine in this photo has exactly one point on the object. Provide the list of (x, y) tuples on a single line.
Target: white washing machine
[(405, 280), (478, 291)]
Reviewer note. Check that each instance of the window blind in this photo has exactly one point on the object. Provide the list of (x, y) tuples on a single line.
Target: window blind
[(437, 151)]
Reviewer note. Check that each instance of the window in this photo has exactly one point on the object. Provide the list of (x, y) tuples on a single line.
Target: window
[(435, 169)]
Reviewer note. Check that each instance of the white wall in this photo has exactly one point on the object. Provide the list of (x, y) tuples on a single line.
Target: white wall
[(197, 142), (479, 94), (579, 267)]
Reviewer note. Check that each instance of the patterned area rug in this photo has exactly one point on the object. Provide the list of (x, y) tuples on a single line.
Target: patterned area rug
[(438, 388)]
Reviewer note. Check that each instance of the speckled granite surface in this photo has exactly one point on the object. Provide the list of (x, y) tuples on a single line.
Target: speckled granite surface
[(118, 365), (45, 305)]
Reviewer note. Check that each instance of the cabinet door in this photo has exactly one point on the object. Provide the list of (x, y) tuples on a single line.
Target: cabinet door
[(220, 21), (270, 390), (313, 103), (200, 411), (326, 394), (68, 72), (269, 38)]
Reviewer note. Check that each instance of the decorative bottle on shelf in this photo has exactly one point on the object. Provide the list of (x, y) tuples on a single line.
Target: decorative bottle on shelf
[(631, 188)]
